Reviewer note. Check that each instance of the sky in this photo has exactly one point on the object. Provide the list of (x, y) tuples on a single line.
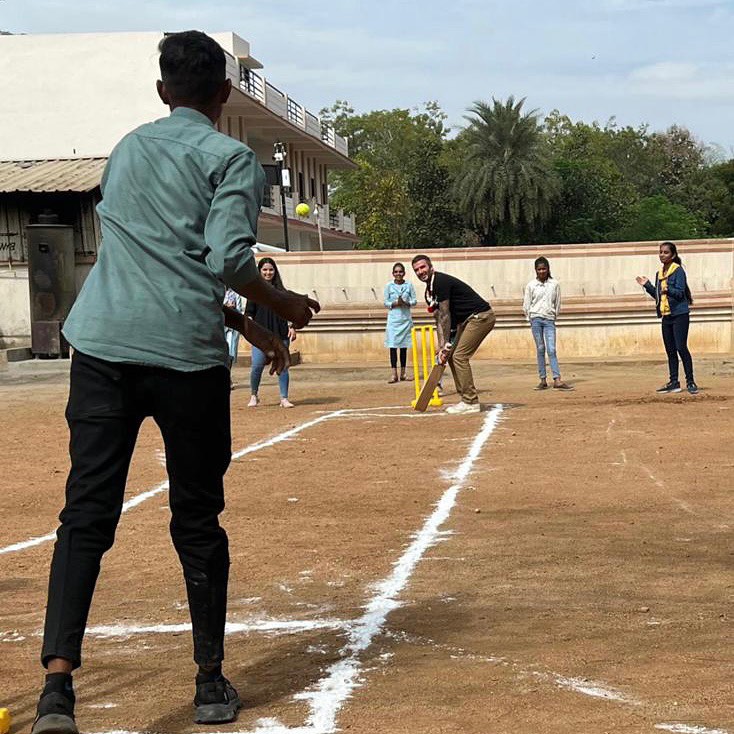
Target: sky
[(659, 62)]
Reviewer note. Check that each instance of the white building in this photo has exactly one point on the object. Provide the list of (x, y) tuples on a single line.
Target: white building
[(71, 97)]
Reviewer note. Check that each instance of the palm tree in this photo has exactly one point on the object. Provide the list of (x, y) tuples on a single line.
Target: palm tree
[(506, 184)]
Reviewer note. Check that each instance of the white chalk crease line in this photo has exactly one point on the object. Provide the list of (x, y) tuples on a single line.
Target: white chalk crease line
[(285, 626), (688, 729), (328, 696), (163, 486), (132, 502)]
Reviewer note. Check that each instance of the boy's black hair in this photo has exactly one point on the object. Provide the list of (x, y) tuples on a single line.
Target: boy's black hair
[(676, 259), (193, 66)]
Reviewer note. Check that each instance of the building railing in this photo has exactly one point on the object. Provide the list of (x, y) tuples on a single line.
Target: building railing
[(329, 218), (313, 125), (282, 105), (276, 100), (296, 113), (252, 83)]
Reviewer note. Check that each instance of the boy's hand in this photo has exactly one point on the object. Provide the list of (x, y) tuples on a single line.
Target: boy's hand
[(268, 343), (296, 308)]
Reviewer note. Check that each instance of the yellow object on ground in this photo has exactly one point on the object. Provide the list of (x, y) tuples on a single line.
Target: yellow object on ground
[(424, 354), (5, 721)]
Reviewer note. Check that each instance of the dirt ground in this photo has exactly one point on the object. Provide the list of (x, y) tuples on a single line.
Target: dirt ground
[(562, 564)]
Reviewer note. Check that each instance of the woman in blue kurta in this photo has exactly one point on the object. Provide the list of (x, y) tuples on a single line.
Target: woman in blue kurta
[(399, 297)]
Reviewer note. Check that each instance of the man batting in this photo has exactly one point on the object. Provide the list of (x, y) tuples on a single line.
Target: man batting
[(463, 321), (178, 218)]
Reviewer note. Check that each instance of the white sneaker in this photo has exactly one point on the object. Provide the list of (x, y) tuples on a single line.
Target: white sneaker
[(254, 400), (461, 408), (285, 403)]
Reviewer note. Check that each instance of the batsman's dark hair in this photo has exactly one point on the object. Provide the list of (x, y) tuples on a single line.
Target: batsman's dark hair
[(676, 259), (418, 258), (193, 66), (543, 261), (277, 281), (398, 265)]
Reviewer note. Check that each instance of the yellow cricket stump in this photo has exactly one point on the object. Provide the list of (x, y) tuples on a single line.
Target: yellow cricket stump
[(5, 721), (424, 334)]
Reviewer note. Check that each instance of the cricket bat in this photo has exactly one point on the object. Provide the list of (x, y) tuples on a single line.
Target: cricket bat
[(429, 386)]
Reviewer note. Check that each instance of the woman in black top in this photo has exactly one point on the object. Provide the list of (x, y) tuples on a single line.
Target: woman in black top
[(280, 327)]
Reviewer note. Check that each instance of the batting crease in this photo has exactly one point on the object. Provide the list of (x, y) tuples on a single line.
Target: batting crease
[(343, 677), (328, 696), (163, 486)]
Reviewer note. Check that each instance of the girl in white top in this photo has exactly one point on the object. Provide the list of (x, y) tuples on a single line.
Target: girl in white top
[(541, 305)]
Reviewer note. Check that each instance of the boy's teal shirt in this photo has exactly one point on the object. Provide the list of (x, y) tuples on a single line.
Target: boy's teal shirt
[(178, 215)]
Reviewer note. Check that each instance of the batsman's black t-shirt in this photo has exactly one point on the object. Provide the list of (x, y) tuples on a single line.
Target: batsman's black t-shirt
[(463, 300)]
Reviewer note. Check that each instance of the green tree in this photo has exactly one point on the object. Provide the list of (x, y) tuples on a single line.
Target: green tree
[(658, 218), (594, 201), (396, 191), (680, 155), (595, 195), (506, 183), (433, 220), (722, 219), (627, 149)]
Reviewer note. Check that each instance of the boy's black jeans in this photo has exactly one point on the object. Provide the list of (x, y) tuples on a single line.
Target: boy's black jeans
[(107, 404), (675, 339)]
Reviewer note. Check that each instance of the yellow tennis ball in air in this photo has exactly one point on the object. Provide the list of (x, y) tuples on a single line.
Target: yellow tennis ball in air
[(303, 210)]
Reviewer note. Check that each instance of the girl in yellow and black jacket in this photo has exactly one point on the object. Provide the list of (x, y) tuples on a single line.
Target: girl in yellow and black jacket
[(672, 301)]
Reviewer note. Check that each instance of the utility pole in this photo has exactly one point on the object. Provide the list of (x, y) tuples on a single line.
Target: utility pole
[(279, 154), (317, 212)]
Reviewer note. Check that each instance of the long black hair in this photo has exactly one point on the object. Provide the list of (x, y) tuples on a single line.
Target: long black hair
[(277, 281), (676, 259), (543, 261)]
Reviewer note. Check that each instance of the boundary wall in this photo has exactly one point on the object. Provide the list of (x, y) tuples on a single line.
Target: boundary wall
[(604, 312)]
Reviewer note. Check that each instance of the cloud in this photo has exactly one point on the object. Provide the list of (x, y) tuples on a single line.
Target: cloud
[(665, 72), (675, 80), (657, 5), (660, 61)]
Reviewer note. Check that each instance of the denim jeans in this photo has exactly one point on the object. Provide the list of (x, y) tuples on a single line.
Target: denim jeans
[(107, 403), (259, 361), (544, 333), (675, 339)]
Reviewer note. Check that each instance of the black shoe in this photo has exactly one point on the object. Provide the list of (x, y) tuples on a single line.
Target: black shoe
[(670, 387), (216, 702), (55, 715), (692, 388)]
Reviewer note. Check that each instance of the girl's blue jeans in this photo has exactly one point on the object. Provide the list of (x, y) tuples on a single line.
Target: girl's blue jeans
[(259, 361), (544, 333)]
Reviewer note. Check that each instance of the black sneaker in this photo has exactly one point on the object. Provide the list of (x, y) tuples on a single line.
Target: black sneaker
[(692, 388), (670, 387), (216, 702), (55, 715)]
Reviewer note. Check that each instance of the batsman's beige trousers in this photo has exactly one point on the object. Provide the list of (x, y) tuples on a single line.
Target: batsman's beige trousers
[(475, 331)]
